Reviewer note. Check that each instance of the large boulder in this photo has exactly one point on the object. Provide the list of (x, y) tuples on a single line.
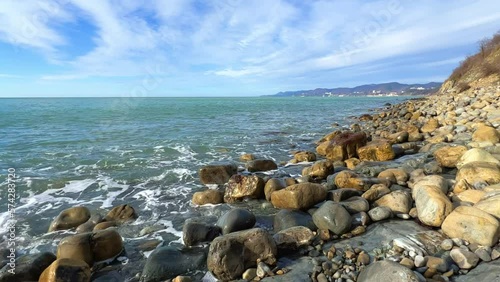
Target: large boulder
[(476, 175), (66, 270), (473, 225), (486, 134), (217, 174), (230, 255), (332, 216), (197, 231), (342, 146), (209, 196), (476, 155), (398, 201), (121, 214), (240, 187), (261, 165), (70, 218), (448, 156), (285, 219), (379, 150), (167, 262), (91, 247), (298, 196), (28, 267), (433, 206), (236, 220), (387, 271), (293, 238), (319, 170), (490, 203)]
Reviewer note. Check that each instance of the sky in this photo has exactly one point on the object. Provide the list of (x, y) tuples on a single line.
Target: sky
[(147, 48)]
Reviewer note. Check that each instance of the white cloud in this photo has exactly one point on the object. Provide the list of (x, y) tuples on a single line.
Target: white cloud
[(244, 39)]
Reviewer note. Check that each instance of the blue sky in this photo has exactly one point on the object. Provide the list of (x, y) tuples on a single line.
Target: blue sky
[(232, 47)]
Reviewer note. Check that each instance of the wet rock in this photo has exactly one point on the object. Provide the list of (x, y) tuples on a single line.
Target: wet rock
[(240, 187), (27, 267), (332, 216), (261, 165), (376, 151), (70, 218), (285, 219), (394, 175), (91, 247), (437, 263), (387, 271), (298, 196), (376, 192), (196, 231), (247, 157), (89, 225), (236, 220), (304, 156), (319, 170), (66, 270), (349, 179), (380, 213), (249, 274), (104, 225), (209, 196), (167, 262), (473, 225), (342, 146), (121, 214), (463, 258), (398, 201), (293, 238), (230, 255), (343, 194), (273, 184), (399, 137), (355, 205), (449, 156), (217, 174)]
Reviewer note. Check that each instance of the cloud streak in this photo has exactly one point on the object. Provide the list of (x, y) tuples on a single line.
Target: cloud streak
[(244, 41)]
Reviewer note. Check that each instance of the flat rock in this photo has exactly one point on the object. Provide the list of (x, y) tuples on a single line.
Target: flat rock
[(384, 271), (298, 196)]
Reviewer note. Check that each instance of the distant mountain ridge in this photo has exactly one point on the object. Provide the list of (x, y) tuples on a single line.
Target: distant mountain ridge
[(382, 89)]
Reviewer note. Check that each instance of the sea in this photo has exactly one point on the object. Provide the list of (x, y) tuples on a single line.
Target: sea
[(146, 152)]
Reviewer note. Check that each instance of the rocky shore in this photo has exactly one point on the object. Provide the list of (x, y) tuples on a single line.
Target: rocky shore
[(410, 193)]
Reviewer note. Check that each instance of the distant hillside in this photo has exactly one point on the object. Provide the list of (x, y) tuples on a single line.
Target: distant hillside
[(383, 89), (480, 69)]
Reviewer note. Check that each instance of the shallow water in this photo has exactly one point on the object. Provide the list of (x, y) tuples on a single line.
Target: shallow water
[(144, 151)]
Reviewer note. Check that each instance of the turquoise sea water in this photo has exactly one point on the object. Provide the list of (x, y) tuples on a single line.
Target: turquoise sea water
[(145, 151)]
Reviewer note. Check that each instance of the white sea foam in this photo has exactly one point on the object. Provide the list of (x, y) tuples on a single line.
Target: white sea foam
[(170, 229), (106, 183)]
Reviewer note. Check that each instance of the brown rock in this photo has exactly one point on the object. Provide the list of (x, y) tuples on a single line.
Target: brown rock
[(490, 204), (376, 151), (319, 170), (375, 192), (472, 196), (70, 218), (298, 196), (352, 163), (273, 184), (247, 157), (476, 175), (293, 237), (394, 175), (430, 126), (349, 179), (449, 156), (121, 214), (66, 270), (261, 165), (433, 206), (217, 174), (486, 134), (106, 244), (399, 137), (473, 225), (342, 146), (104, 225), (398, 201), (76, 247), (241, 186), (209, 196), (304, 156), (230, 255)]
